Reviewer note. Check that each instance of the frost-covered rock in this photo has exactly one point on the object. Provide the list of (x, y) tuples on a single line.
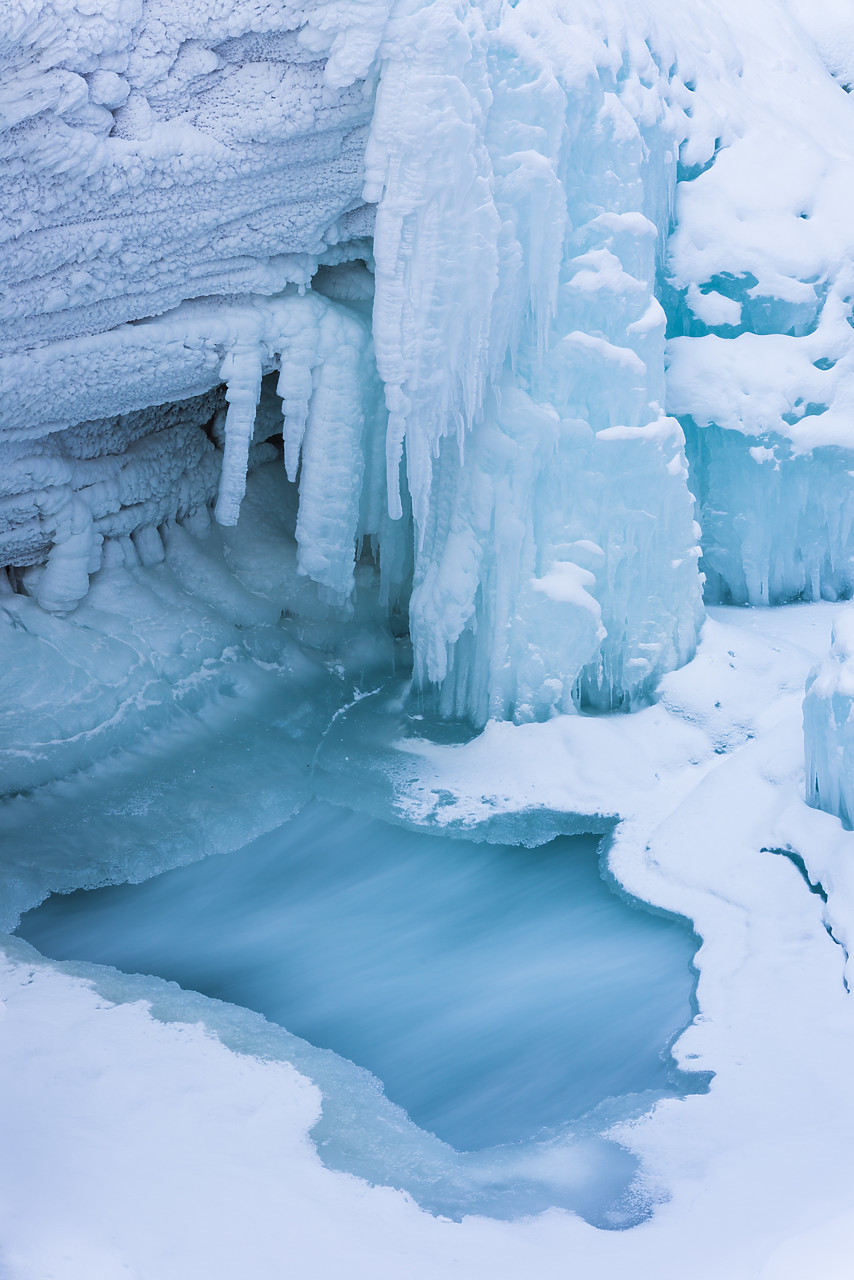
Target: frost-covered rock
[(157, 150)]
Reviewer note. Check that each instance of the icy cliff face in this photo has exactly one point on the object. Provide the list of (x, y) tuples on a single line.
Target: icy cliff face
[(157, 151), (759, 291), (444, 232)]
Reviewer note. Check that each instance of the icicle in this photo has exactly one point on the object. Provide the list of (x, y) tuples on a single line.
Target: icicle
[(294, 388), (397, 404), (436, 236), (241, 370), (332, 471)]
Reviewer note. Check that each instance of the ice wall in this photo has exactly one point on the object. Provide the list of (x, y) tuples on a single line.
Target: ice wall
[(829, 725), (555, 558), (758, 288)]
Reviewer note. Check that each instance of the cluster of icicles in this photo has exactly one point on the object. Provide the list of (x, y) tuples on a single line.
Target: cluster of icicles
[(122, 475)]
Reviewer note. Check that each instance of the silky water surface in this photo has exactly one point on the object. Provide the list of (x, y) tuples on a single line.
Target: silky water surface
[(499, 993)]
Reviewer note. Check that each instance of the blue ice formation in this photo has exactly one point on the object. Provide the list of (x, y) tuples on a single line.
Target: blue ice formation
[(430, 253), (828, 725)]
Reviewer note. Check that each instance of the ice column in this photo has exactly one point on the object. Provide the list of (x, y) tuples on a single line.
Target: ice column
[(829, 725), (333, 462), (241, 372), (524, 175)]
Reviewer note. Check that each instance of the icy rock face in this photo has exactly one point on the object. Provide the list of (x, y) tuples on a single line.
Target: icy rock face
[(63, 495), (491, 419), (156, 151), (758, 288), (69, 488), (829, 725)]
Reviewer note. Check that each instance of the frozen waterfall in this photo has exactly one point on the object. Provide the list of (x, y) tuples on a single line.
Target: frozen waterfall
[(455, 236), (494, 438)]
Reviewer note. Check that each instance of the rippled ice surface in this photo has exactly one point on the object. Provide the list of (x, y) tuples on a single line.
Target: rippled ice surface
[(496, 991)]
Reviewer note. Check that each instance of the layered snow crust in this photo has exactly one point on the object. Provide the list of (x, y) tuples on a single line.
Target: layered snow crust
[(157, 151)]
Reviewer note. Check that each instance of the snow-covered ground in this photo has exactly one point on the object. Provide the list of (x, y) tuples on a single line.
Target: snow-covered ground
[(143, 1147)]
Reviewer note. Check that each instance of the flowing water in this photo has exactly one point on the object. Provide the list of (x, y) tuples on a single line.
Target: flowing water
[(498, 992)]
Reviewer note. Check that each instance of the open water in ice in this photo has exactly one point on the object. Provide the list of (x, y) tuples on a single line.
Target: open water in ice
[(498, 992)]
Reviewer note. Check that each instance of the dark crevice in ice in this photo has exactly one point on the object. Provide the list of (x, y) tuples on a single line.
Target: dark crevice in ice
[(817, 888)]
